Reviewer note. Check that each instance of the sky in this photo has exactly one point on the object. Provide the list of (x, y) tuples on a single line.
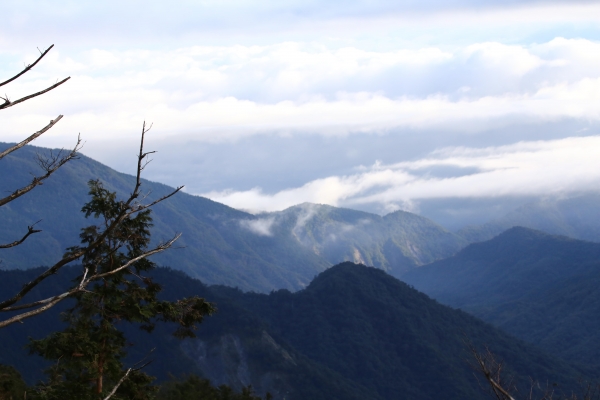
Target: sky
[(458, 110)]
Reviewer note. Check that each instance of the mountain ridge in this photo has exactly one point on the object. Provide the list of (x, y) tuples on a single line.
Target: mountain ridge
[(573, 216), (354, 332), (220, 245), (539, 287)]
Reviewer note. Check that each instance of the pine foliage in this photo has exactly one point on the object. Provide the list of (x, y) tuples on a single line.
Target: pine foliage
[(88, 354)]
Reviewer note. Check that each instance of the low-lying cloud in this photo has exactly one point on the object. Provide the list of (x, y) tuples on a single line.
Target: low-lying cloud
[(522, 169), (260, 226)]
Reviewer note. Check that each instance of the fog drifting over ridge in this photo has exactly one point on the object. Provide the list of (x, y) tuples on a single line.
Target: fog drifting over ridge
[(523, 169), (372, 106)]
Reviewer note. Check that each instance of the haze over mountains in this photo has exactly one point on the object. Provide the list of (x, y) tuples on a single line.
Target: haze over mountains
[(262, 252), (575, 216), (350, 331), (539, 287), (220, 244)]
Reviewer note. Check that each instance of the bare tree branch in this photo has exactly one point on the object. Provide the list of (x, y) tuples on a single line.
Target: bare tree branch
[(129, 207), (50, 166), (30, 138), (491, 370), (158, 249), (141, 207), (50, 271), (114, 390), (27, 68), (135, 367), (7, 103), (30, 231), (20, 317), (52, 301)]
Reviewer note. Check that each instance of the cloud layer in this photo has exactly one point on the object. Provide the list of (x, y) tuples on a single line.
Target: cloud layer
[(86, 23), (223, 93), (523, 169), (292, 98)]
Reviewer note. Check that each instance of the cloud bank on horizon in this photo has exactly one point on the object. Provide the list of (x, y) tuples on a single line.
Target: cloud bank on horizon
[(261, 105), (523, 169)]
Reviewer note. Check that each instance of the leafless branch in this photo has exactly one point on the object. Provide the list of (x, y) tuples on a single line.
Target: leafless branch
[(141, 207), (158, 249), (30, 231), (114, 390), (130, 207), (28, 67), (487, 364), (141, 364), (7, 103), (50, 166), (80, 287), (52, 301), (20, 317), (30, 138)]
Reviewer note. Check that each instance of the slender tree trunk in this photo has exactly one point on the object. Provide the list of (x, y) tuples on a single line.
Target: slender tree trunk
[(99, 382)]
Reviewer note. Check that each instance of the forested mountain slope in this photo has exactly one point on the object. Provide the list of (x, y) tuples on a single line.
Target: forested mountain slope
[(354, 332), (213, 247), (233, 347), (219, 245), (396, 242), (538, 287)]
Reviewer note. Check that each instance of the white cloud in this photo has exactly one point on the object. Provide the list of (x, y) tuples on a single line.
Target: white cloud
[(523, 169), (260, 226), (216, 93), (447, 71), (497, 57), (86, 22)]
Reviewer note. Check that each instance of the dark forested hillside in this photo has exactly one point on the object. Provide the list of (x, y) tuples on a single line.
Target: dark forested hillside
[(233, 347), (353, 333), (391, 338), (219, 245), (538, 287)]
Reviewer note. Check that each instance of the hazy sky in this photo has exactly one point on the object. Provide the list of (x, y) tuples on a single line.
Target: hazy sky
[(376, 105)]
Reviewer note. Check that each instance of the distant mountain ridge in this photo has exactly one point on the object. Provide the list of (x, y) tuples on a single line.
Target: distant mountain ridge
[(396, 242), (576, 216), (219, 245), (541, 288)]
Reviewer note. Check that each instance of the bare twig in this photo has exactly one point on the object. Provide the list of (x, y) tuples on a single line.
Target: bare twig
[(20, 317), (491, 369), (30, 138), (52, 301), (130, 206), (493, 378), (114, 390), (30, 231), (158, 249), (141, 364), (28, 67), (7, 103), (50, 168), (141, 207)]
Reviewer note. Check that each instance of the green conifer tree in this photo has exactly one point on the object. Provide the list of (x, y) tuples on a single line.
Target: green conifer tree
[(12, 386), (88, 354)]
